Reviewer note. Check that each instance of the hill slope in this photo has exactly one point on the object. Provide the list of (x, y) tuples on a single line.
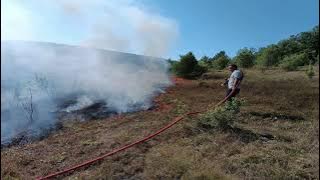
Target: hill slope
[(283, 105), (40, 81)]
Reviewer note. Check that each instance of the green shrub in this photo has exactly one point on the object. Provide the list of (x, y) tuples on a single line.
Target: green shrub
[(205, 62), (310, 72), (188, 67), (221, 117), (245, 58), (292, 62), (268, 56), (221, 62)]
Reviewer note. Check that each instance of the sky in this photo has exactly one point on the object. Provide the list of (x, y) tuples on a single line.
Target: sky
[(164, 28)]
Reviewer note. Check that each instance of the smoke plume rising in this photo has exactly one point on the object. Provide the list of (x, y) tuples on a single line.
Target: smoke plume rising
[(36, 77)]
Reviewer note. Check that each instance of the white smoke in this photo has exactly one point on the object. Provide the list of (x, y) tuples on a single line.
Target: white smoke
[(121, 25), (45, 73)]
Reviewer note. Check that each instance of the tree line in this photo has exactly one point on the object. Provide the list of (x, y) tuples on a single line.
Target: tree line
[(289, 54)]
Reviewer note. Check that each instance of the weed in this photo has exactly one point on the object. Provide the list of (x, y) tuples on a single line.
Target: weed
[(221, 117), (310, 72)]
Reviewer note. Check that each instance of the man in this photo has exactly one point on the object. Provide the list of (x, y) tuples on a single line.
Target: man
[(233, 83)]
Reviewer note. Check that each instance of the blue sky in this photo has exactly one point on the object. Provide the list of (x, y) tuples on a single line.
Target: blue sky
[(208, 26), (204, 27)]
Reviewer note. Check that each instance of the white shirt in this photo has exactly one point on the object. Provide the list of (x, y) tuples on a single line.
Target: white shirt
[(236, 74)]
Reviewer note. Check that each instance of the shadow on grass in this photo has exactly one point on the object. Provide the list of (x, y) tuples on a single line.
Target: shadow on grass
[(277, 116), (248, 136)]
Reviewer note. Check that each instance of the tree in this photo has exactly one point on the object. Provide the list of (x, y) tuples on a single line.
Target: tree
[(269, 56), (188, 66), (289, 46), (310, 43), (292, 62), (245, 58), (172, 65), (205, 62), (220, 60)]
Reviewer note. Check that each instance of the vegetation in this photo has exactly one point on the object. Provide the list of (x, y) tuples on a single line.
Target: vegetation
[(268, 56), (221, 117), (292, 62), (220, 60), (288, 54), (245, 58), (188, 67), (274, 136), (310, 72)]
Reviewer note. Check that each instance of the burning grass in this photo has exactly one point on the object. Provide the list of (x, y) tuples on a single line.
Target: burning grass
[(280, 119)]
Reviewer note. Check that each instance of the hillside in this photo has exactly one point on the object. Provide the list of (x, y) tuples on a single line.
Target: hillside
[(277, 137), (40, 82)]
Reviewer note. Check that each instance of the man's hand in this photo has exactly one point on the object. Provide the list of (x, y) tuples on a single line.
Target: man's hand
[(225, 82)]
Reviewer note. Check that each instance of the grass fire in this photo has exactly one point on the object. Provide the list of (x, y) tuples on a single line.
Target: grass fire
[(135, 89)]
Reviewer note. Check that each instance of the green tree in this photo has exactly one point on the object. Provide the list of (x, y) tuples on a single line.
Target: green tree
[(310, 43), (289, 46), (245, 58), (188, 67), (205, 62), (269, 56), (292, 62), (220, 60), (172, 65)]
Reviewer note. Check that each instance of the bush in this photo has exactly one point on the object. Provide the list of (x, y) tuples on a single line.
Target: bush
[(245, 58), (310, 72), (269, 56), (172, 65), (292, 62), (220, 60), (221, 117), (221, 63), (205, 62), (188, 67)]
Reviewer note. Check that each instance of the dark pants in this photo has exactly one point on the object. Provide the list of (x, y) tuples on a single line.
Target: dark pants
[(237, 91)]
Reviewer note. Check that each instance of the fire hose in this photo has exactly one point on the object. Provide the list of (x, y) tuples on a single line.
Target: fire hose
[(175, 120)]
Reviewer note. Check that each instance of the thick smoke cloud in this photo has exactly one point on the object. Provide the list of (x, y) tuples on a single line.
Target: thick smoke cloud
[(37, 77)]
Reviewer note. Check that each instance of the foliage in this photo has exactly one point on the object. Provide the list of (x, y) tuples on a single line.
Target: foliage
[(172, 65), (205, 62), (286, 50), (220, 60), (310, 71), (245, 58), (269, 56), (287, 53), (221, 117), (292, 62), (188, 67)]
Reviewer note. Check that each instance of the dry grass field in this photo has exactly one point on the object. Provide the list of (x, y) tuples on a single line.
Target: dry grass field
[(277, 136)]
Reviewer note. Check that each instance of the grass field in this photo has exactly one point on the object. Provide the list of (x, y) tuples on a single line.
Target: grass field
[(277, 137)]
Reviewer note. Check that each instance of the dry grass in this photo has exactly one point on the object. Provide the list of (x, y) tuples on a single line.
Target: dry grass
[(282, 104)]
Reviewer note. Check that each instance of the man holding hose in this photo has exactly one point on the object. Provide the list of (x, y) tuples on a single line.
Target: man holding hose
[(233, 83)]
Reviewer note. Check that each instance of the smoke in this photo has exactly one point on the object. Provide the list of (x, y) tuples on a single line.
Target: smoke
[(39, 80), (120, 25)]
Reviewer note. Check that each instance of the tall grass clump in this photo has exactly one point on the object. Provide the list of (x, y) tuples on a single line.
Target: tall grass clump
[(310, 71)]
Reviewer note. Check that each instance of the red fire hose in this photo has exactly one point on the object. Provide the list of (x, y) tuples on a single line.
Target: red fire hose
[(175, 120)]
